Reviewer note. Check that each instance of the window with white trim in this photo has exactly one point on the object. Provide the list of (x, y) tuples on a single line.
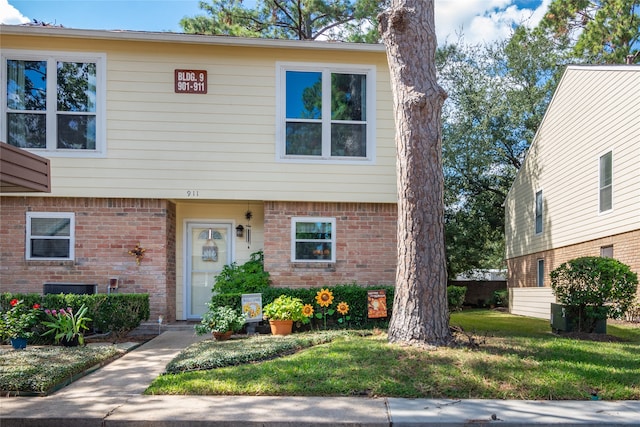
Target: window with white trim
[(54, 102), (539, 207), (606, 182), (50, 236), (313, 239), (540, 273), (326, 113)]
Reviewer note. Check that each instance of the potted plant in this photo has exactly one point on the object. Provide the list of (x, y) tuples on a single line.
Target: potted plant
[(66, 326), (16, 323), (222, 322), (282, 312)]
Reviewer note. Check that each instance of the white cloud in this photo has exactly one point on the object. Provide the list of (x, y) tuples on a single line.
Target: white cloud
[(10, 15), (483, 21)]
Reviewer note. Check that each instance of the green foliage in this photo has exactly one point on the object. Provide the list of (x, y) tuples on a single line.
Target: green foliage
[(66, 324), (42, 369), (285, 308), (287, 19), (247, 278), (601, 31), (220, 319), (501, 298), (211, 354), (19, 320), (595, 288), (497, 96), (455, 297), (119, 313), (352, 294), (113, 313)]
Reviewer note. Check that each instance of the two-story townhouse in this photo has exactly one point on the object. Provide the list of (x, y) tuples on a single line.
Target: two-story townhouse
[(578, 191), (201, 150)]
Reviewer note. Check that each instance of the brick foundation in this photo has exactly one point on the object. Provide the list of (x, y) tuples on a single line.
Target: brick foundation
[(522, 271), (105, 230), (365, 244)]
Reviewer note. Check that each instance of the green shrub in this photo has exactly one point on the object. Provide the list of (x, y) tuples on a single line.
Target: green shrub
[(352, 294), (114, 313), (594, 288), (501, 298), (247, 278), (455, 297)]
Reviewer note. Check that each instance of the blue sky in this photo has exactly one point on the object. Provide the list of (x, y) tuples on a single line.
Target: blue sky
[(478, 20)]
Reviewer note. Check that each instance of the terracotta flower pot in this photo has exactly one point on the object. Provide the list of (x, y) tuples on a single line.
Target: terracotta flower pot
[(281, 327), (222, 336)]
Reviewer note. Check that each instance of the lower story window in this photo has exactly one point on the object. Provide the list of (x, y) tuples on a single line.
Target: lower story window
[(50, 236), (313, 239), (540, 280)]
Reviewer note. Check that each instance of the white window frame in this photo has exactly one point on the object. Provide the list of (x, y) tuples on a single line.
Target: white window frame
[(326, 70), (540, 272), (52, 57), (600, 187), (539, 213), (295, 220), (71, 238)]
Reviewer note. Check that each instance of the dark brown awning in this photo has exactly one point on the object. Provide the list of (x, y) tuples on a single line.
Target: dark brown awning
[(22, 171)]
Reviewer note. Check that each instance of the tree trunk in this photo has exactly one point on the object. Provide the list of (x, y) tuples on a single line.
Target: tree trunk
[(420, 315)]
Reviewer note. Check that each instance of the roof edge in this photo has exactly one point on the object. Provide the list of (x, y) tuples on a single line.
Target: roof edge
[(148, 36)]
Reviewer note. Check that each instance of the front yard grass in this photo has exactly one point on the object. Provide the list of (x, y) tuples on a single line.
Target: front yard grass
[(518, 358)]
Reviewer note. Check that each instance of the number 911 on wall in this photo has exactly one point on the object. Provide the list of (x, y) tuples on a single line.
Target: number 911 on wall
[(190, 81)]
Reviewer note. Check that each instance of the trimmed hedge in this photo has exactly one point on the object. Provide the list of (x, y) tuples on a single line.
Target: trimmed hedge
[(110, 313)]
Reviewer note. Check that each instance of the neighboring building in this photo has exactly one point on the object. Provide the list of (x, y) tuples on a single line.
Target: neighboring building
[(578, 191), (175, 141)]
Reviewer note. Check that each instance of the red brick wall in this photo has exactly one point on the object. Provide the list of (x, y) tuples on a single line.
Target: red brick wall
[(105, 230), (523, 270), (365, 244)]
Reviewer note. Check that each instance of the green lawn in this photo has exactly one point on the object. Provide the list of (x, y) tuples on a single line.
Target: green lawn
[(518, 358)]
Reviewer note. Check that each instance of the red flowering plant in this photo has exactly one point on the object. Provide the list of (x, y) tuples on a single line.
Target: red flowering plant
[(19, 320)]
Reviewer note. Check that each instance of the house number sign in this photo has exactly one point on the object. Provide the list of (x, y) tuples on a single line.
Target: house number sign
[(190, 81)]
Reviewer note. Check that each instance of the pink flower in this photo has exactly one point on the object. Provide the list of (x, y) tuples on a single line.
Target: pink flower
[(69, 310), (54, 312), (47, 311)]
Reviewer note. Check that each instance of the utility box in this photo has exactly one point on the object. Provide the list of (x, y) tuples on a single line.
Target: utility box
[(561, 321)]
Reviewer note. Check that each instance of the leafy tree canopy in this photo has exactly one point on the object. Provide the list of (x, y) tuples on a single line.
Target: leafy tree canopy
[(344, 20), (603, 31), (497, 97)]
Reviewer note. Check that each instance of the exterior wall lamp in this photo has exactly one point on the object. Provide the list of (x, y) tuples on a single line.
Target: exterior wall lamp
[(239, 231)]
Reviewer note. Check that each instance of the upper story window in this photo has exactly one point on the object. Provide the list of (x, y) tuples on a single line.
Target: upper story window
[(606, 182), (539, 211), (313, 239), (325, 113), (50, 236), (54, 102)]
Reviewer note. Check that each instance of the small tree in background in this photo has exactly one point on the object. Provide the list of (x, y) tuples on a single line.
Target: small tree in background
[(594, 288)]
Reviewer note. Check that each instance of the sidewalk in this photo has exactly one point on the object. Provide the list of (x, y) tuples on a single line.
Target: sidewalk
[(111, 396)]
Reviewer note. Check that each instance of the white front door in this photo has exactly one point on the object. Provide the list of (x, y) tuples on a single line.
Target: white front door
[(208, 251)]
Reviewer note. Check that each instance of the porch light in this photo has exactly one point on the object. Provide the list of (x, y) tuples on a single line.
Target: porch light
[(239, 231)]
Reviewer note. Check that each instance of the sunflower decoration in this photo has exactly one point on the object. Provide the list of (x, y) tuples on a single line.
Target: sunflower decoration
[(324, 297), (343, 308), (307, 310)]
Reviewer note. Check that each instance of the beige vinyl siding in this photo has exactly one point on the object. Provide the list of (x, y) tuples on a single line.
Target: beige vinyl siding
[(594, 110), (220, 145), (532, 302)]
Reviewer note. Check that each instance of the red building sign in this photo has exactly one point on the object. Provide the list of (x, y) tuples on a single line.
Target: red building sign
[(190, 81)]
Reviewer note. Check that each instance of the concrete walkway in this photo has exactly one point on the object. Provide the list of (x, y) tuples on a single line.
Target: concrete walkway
[(111, 396)]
